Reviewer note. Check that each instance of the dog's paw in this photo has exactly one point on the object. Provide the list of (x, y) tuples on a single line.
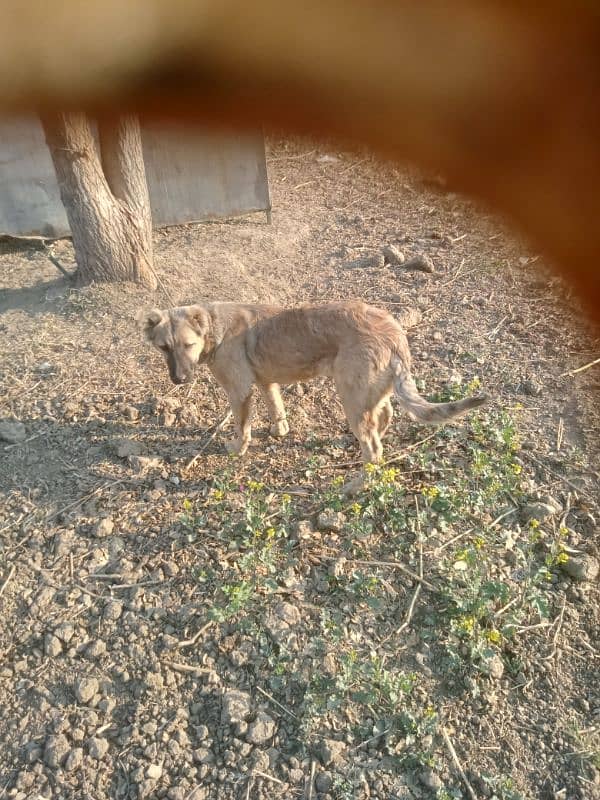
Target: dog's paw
[(280, 428), (236, 447)]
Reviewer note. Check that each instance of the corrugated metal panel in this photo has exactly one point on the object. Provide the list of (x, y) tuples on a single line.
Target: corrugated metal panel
[(191, 177)]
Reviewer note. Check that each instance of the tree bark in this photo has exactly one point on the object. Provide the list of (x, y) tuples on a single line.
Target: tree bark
[(105, 196)]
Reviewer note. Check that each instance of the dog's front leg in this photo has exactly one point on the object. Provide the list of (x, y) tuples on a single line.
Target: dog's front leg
[(241, 408)]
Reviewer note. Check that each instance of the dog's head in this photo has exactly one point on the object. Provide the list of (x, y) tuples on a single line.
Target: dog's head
[(181, 334)]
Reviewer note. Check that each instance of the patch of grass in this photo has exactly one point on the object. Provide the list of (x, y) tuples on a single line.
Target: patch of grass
[(447, 508)]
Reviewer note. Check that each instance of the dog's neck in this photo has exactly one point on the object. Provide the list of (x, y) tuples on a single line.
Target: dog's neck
[(212, 338)]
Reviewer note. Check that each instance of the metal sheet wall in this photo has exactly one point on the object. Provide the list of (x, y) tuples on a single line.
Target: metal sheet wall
[(191, 176)]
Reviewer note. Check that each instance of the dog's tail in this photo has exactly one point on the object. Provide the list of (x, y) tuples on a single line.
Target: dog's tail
[(419, 408)]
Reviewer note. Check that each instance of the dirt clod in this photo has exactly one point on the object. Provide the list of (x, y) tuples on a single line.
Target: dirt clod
[(12, 431), (261, 730), (419, 263), (330, 520), (393, 255), (56, 750), (236, 707), (581, 567), (86, 688)]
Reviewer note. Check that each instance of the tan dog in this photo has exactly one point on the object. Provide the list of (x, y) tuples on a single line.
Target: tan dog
[(361, 347)]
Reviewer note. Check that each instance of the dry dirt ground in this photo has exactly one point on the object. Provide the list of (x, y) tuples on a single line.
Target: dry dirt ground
[(235, 628)]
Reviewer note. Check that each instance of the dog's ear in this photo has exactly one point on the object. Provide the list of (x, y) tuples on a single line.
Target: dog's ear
[(199, 319), (148, 320)]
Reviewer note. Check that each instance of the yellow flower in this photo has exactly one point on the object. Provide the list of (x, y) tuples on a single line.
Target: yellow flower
[(370, 468), (516, 468), (338, 480), (466, 624), (478, 542), (187, 505), (562, 557), (356, 508), (217, 494), (389, 475), (534, 524), (563, 531), (270, 533), (255, 486), (286, 498), (494, 636)]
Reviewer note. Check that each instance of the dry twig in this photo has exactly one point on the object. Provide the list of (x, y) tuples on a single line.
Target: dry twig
[(580, 369), (195, 637), (8, 579), (277, 703), (457, 764)]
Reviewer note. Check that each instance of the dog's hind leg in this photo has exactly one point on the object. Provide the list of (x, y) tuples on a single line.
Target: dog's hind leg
[(384, 414), (275, 407), (362, 418)]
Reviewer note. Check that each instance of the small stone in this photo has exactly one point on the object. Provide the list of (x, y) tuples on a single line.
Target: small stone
[(95, 649), (52, 645), (86, 689), (12, 431), (493, 666), (202, 732), (74, 759), (393, 256), (532, 388), (202, 755), (107, 705), (323, 782), (420, 263), (64, 632), (154, 771), (98, 747), (330, 520), (331, 752), (56, 750), (104, 527), (288, 613), (261, 730), (537, 510), (375, 261), (236, 706), (112, 610), (581, 567), (430, 779)]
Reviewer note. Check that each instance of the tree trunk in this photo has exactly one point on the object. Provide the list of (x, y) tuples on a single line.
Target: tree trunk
[(105, 197)]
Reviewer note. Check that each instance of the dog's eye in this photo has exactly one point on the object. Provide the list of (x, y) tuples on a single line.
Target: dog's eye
[(164, 348), (189, 346)]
